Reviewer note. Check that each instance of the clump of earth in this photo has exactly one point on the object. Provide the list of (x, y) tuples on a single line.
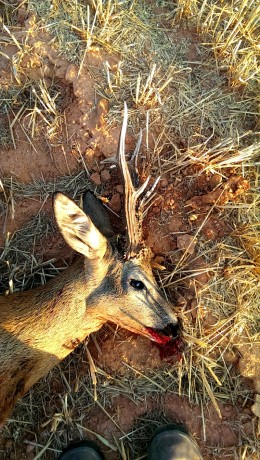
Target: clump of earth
[(83, 140)]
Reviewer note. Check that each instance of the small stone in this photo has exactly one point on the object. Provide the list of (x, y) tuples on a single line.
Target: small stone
[(115, 203), (97, 167), (214, 181), (248, 426), (160, 260), (248, 411), (105, 175), (163, 182), (95, 177), (230, 357), (202, 278), (256, 406), (21, 14), (210, 320), (120, 189), (184, 228), (174, 224), (186, 243)]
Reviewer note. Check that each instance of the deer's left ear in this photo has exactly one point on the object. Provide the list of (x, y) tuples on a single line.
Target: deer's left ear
[(77, 228), (95, 209)]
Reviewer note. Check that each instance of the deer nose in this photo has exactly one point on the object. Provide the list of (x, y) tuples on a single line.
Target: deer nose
[(171, 330)]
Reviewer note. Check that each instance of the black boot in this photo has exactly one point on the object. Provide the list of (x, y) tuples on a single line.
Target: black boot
[(83, 450), (172, 442)]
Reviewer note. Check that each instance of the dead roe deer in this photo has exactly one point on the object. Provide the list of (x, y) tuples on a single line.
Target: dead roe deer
[(40, 327)]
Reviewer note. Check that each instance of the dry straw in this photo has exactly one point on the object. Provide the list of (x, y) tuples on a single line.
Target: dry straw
[(189, 76)]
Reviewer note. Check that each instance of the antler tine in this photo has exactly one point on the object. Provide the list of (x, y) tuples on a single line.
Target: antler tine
[(150, 194), (131, 195), (135, 178)]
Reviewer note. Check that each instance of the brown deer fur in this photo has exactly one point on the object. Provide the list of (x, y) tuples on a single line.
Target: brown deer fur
[(40, 327)]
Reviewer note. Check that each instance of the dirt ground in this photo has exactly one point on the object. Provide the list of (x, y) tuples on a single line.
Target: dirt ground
[(139, 384)]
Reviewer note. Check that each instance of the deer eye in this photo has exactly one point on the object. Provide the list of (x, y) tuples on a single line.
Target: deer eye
[(137, 284)]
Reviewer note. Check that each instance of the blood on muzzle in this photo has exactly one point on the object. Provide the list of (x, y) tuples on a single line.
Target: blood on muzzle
[(171, 330)]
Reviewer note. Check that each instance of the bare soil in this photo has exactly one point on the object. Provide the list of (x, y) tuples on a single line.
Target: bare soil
[(186, 204)]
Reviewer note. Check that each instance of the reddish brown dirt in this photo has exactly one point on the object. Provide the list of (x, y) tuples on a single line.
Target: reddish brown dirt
[(218, 433), (223, 434), (83, 140), (188, 204), (211, 431)]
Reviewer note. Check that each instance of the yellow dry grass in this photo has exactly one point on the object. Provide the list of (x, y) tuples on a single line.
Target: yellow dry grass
[(189, 74)]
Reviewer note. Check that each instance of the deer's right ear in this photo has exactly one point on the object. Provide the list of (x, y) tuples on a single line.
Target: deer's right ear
[(77, 228)]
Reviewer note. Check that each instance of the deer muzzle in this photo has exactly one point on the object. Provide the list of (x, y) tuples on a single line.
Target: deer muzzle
[(162, 336)]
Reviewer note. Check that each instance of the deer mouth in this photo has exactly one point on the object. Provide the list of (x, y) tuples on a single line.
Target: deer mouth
[(163, 336)]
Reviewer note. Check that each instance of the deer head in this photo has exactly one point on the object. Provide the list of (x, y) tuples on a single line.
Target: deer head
[(127, 294)]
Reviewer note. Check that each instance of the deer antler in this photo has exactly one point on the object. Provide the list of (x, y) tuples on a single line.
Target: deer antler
[(132, 194)]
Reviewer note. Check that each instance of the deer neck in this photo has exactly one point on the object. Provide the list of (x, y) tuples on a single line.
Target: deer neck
[(39, 328), (54, 318)]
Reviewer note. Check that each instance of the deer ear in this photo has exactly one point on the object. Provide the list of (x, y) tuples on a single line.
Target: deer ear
[(77, 228)]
